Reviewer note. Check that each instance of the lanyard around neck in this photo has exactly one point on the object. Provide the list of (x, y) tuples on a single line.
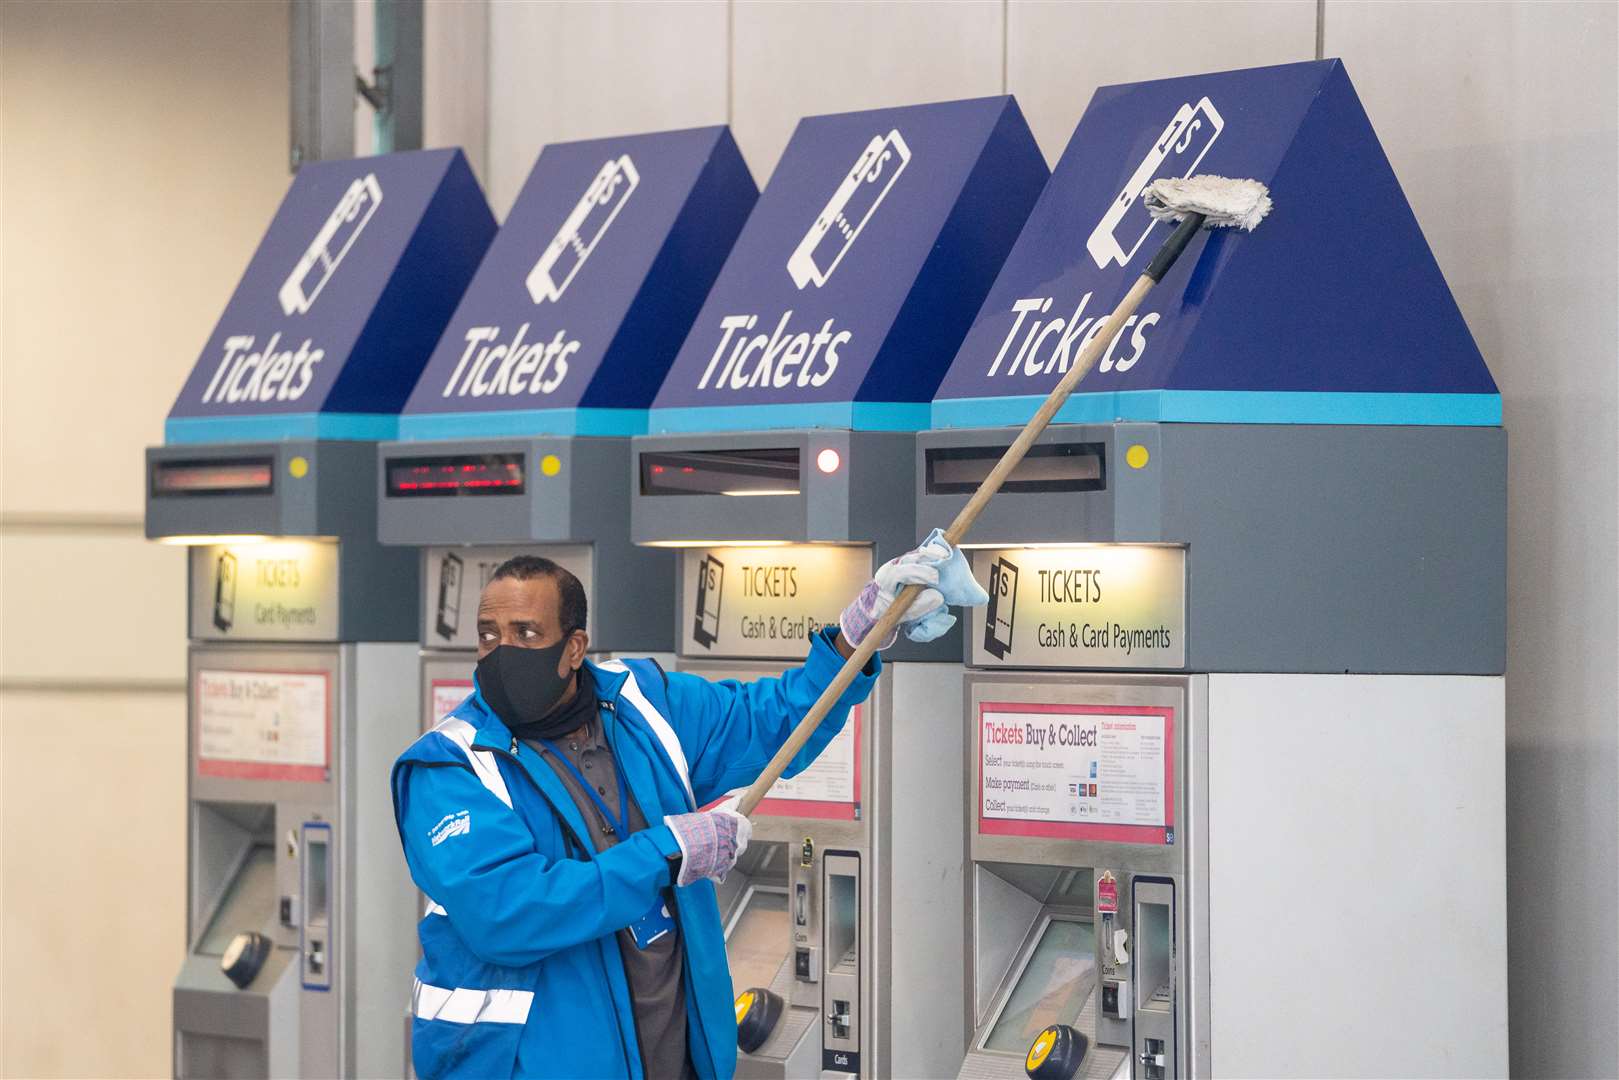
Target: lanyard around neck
[(619, 823)]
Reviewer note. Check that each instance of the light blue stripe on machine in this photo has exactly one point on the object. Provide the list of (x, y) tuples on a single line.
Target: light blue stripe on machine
[(518, 422), (360, 427), (1229, 407), (852, 415)]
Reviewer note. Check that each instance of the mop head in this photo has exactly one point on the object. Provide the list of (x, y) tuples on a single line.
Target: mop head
[(1239, 204)]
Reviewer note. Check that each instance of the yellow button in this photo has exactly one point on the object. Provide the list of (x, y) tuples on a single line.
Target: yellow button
[(1040, 1049), (298, 467), (1136, 456), (550, 464)]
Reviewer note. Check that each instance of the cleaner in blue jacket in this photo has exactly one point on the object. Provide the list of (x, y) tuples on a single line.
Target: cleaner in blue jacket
[(552, 820)]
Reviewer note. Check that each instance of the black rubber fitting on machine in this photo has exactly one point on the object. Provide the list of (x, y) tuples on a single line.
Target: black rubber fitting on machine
[(1173, 247), (757, 1013), (1057, 1054), (243, 958)]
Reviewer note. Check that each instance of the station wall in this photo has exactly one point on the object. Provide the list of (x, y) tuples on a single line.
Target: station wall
[(145, 146), (1500, 121)]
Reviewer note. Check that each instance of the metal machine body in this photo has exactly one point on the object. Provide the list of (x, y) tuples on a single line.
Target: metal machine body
[(557, 496), (299, 698), (1235, 725), (848, 900)]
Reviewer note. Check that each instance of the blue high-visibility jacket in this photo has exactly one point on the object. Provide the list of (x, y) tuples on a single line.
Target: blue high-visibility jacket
[(520, 972)]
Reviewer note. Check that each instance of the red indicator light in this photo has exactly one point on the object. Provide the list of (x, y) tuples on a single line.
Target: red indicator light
[(828, 460)]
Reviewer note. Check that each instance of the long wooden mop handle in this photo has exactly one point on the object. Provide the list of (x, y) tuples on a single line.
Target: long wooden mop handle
[(954, 534)]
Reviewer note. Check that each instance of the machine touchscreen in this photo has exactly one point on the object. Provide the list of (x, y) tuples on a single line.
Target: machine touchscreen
[(1051, 989), (757, 942)]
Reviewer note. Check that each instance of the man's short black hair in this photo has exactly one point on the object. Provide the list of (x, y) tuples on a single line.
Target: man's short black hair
[(529, 567)]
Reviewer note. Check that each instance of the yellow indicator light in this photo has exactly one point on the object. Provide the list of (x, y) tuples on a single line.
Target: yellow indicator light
[(744, 1002), (1136, 456), (197, 541), (298, 467), (550, 464)]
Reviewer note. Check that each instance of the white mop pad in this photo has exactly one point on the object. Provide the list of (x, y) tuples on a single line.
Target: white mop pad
[(1240, 204)]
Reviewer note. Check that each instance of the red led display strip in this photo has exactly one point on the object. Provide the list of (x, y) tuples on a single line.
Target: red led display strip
[(493, 474), (252, 475)]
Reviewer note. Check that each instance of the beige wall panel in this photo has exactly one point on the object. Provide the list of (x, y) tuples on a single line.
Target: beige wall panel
[(94, 879), (806, 57), (455, 80), (582, 71), (145, 150), (1058, 52), (89, 607), (1500, 120)]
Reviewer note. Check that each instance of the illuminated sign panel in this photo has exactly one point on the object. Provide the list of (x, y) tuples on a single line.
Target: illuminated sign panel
[(1087, 606)]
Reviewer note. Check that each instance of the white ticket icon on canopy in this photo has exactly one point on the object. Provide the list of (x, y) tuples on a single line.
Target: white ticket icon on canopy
[(1176, 153), (331, 243), (850, 207), (583, 229)]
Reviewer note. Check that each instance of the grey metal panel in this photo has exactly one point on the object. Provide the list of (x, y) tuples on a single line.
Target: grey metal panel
[(587, 502), (289, 509), (919, 869), (1310, 548), (377, 597), (382, 915), (322, 81), (1341, 548)]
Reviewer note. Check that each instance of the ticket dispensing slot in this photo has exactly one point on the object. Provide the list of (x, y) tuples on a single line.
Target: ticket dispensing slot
[(743, 471), (1047, 468), (1155, 997), (318, 905)]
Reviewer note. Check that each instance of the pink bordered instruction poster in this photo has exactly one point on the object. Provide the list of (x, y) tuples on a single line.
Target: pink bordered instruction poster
[(264, 725), (829, 790), (1077, 772), (447, 694)]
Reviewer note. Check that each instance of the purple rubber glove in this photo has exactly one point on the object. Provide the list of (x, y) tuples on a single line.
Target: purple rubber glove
[(942, 572), (710, 841)]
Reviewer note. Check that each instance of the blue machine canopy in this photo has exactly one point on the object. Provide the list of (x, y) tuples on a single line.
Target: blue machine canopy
[(1332, 311), (341, 304)]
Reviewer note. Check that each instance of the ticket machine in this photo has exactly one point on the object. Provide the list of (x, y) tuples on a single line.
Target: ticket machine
[(299, 909), (781, 465), (517, 436), (1234, 711)]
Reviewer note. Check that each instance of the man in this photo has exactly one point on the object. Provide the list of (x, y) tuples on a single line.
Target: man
[(552, 820)]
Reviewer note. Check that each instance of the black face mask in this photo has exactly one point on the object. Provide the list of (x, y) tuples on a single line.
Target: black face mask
[(522, 685)]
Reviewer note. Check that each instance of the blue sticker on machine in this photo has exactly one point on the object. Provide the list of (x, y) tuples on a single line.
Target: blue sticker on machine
[(859, 270), (1332, 311), (585, 296), (341, 304)]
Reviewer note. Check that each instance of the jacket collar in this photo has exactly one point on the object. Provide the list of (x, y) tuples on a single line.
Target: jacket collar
[(608, 683), (493, 734)]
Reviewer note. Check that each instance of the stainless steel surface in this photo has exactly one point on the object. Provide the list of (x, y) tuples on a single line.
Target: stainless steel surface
[(339, 1020), (1009, 873), (908, 839)]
